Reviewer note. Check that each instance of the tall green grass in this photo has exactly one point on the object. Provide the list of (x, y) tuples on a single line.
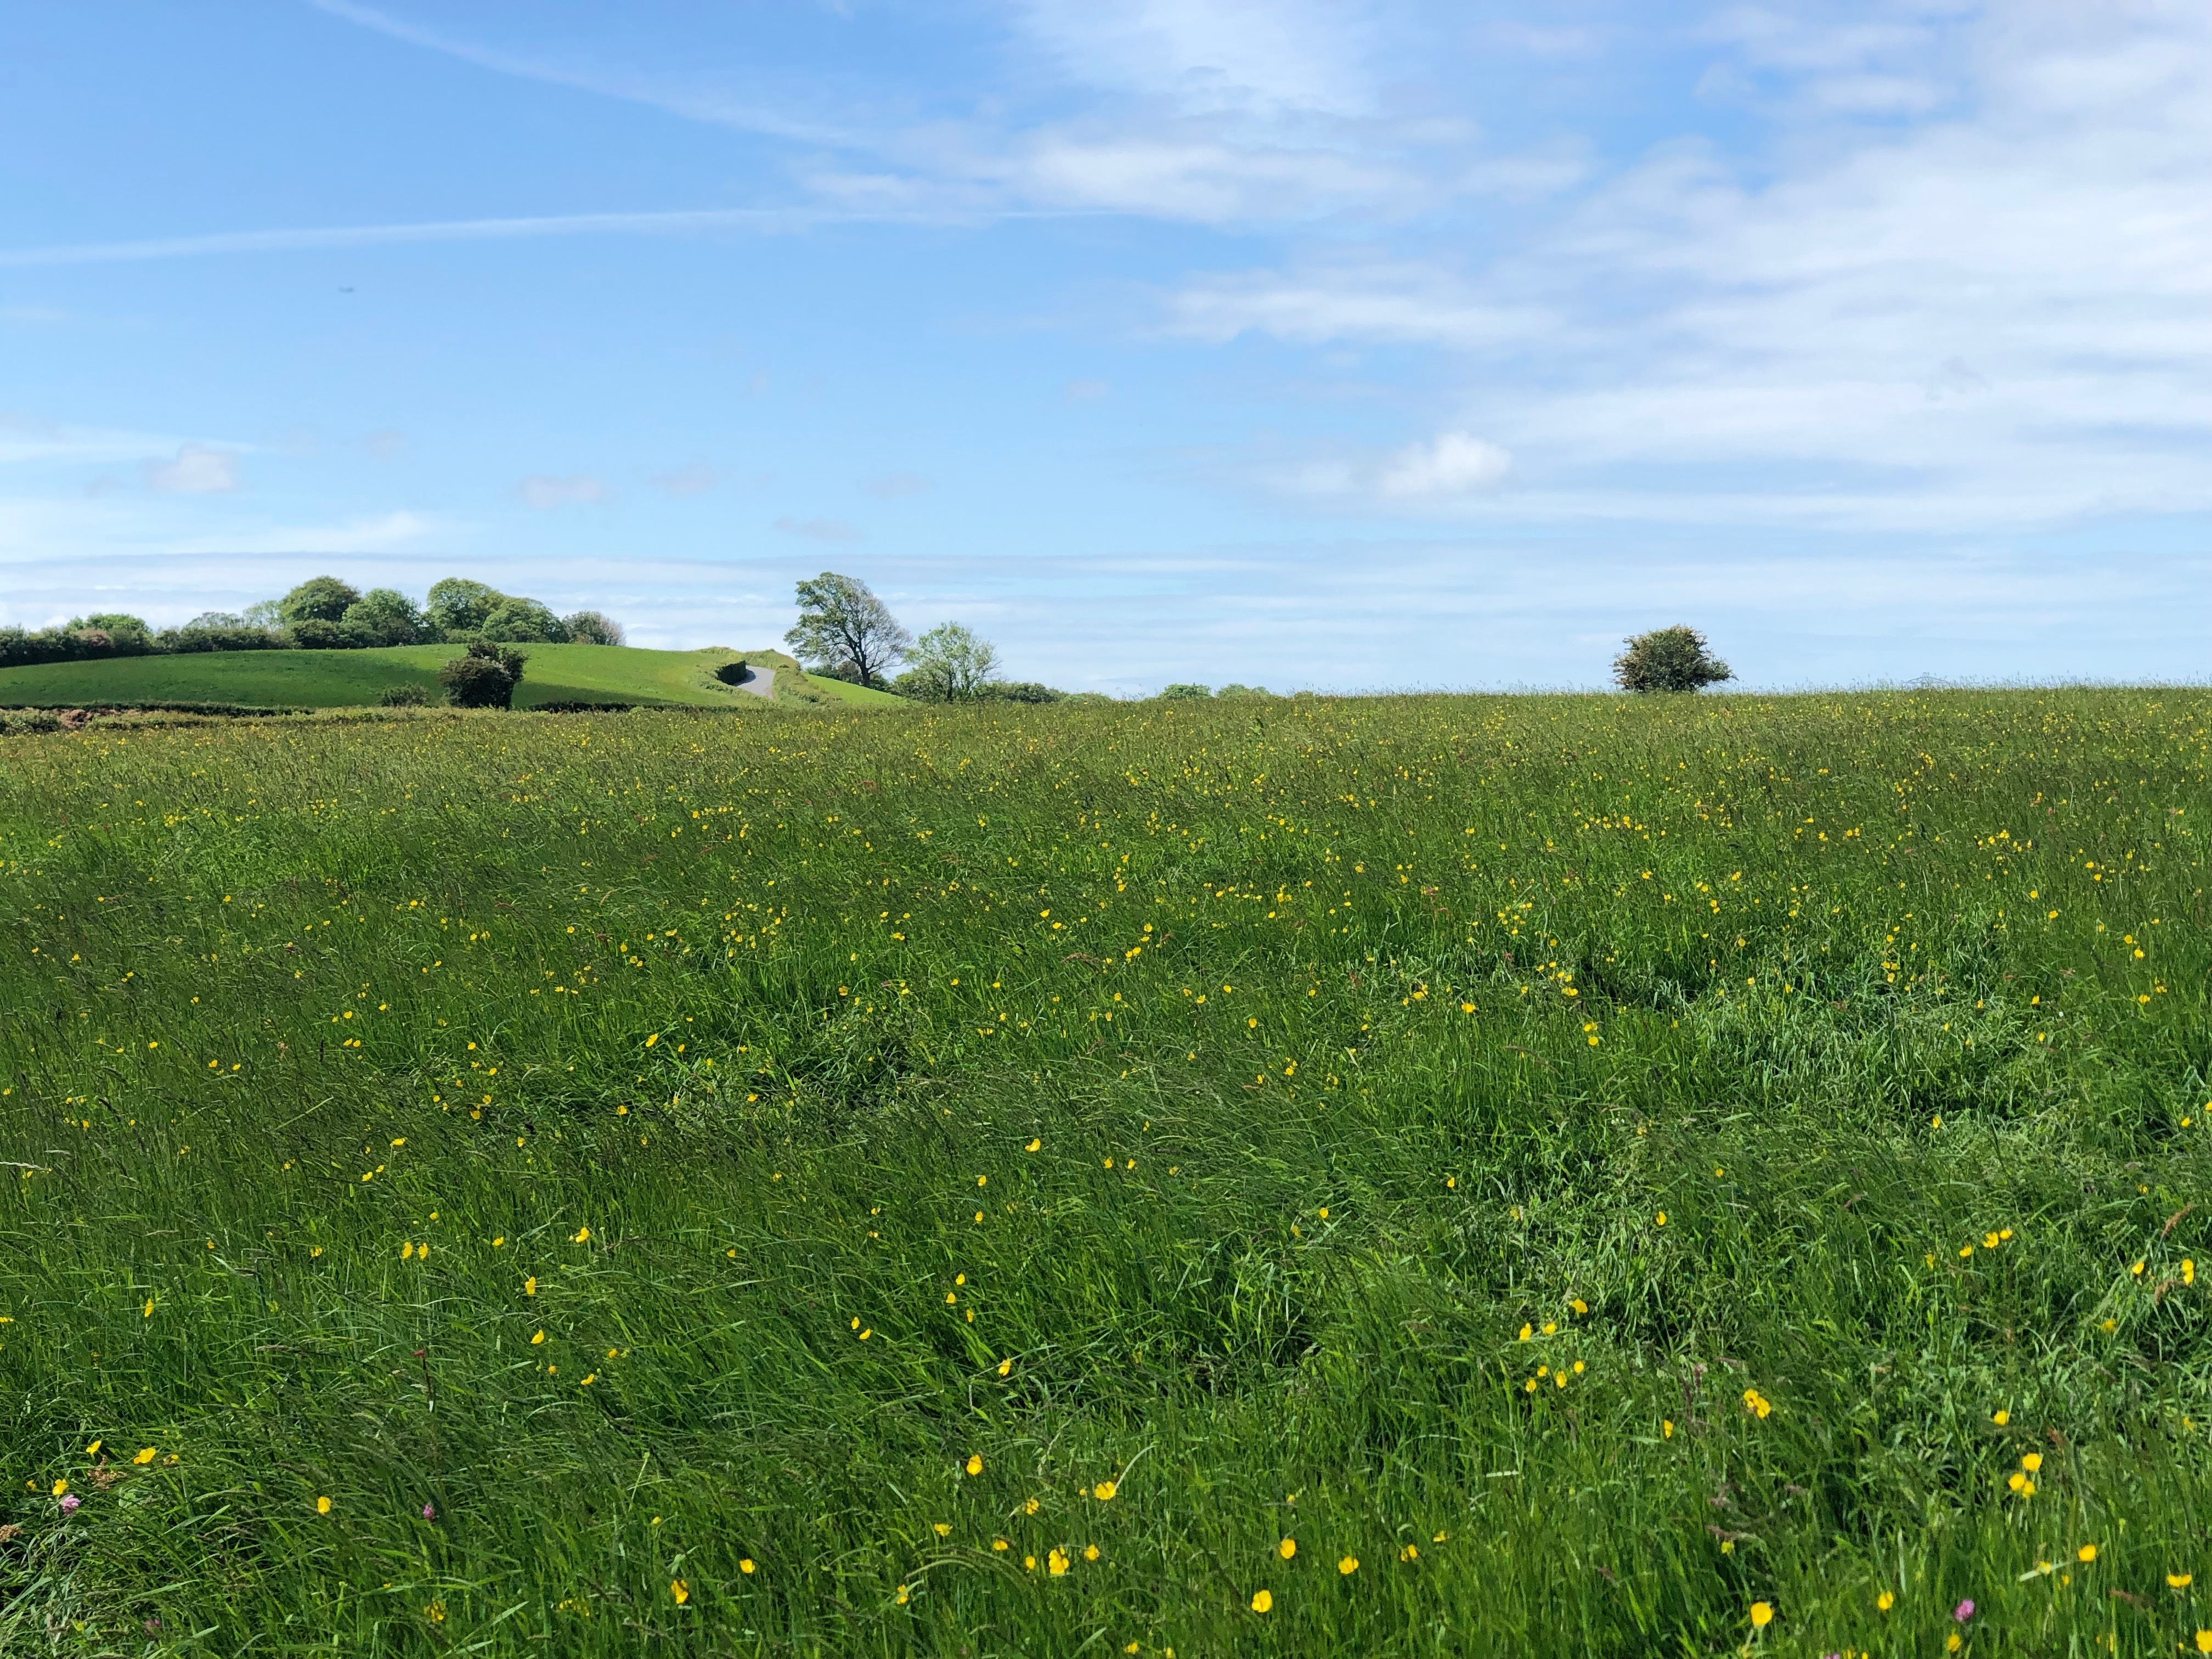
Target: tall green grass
[(1407, 1175)]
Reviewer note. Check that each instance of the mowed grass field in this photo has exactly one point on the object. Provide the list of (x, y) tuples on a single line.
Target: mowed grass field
[(1414, 1176), (334, 679)]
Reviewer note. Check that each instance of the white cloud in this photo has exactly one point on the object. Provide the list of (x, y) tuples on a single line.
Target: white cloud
[(1442, 474), (1450, 466), (1995, 317), (384, 446), (195, 469), (576, 489)]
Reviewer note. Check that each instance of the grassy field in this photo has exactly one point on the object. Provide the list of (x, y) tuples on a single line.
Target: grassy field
[(334, 679), (1419, 1175)]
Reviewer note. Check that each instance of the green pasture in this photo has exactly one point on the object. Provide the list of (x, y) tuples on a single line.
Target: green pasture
[(332, 679), (1420, 1176)]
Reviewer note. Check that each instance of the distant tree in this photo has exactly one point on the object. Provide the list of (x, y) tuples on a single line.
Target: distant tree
[(1235, 690), (485, 677), (1669, 659), (319, 598), (1178, 692), (458, 605), (524, 621), (948, 664), (209, 621), (264, 613), (386, 615), (591, 628), (1020, 691), (407, 697), (110, 621), (846, 630)]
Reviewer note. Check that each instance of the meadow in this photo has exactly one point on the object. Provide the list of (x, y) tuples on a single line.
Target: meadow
[(1382, 1176)]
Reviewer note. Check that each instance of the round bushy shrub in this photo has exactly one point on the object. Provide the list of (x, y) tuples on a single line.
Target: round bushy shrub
[(1669, 659), (591, 628), (485, 678)]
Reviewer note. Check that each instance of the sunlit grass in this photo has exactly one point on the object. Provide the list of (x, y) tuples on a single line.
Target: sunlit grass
[(1418, 1175)]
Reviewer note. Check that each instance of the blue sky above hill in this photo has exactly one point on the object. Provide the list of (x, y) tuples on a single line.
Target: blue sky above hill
[(1323, 342)]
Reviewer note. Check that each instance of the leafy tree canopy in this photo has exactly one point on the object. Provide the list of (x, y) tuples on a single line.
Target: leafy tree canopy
[(458, 605), (949, 664), (1669, 659), (387, 615), (844, 629), (319, 598), (591, 628)]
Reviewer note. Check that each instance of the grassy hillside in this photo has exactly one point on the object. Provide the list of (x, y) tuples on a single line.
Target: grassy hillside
[(331, 679), (1405, 1176)]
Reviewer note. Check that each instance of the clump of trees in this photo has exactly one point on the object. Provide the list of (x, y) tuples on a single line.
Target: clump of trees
[(949, 664), (1669, 659), (1182, 692), (321, 614), (844, 630), (484, 677)]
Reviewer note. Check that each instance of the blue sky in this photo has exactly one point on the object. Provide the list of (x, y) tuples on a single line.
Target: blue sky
[(1308, 342)]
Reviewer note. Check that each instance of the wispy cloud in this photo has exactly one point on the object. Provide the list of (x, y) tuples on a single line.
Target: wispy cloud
[(195, 469), (692, 101), (309, 238), (1450, 466), (576, 489)]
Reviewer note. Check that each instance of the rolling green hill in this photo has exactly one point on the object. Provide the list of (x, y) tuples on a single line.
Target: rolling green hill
[(337, 679)]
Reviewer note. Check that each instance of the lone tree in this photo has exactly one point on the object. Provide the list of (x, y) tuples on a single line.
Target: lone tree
[(846, 630), (591, 628), (485, 677), (950, 663), (319, 598), (1669, 659)]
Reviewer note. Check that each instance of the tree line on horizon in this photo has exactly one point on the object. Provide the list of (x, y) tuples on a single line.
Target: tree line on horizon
[(321, 614), (844, 631)]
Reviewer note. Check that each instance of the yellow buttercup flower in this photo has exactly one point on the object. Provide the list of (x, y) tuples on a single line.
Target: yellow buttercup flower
[(322, 1506), (1762, 1613), (1287, 1548), (1262, 1601), (1347, 1565), (680, 1590), (1104, 1490), (975, 1464)]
